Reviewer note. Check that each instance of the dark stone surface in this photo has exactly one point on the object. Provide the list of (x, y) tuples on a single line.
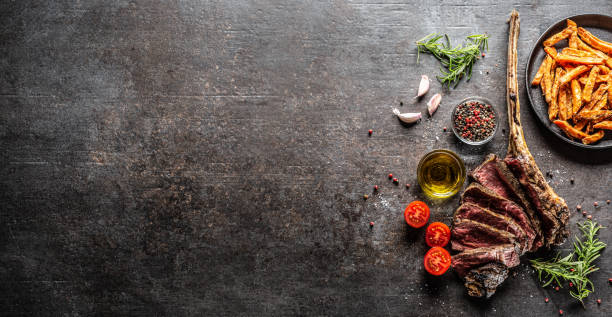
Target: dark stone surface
[(210, 157)]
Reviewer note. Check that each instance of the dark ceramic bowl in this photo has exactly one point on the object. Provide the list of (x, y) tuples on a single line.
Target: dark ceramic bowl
[(600, 26)]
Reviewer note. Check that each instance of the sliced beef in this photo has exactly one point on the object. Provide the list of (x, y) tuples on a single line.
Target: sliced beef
[(481, 196), (551, 208), (498, 221), (484, 280), (505, 254), (467, 234)]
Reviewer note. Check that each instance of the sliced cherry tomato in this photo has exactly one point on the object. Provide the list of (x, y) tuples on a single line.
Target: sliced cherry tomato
[(437, 261), (437, 234), (416, 214)]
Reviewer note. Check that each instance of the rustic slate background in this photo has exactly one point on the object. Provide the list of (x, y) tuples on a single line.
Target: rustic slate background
[(209, 157)]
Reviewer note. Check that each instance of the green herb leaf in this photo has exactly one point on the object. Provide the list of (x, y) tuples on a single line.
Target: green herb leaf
[(575, 266), (458, 60)]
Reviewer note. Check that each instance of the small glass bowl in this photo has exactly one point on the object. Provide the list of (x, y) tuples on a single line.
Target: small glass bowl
[(495, 119), (430, 189)]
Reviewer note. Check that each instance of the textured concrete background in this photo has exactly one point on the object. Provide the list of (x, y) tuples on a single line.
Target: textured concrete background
[(210, 157)]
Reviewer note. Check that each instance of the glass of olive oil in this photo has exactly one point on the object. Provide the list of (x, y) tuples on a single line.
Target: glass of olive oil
[(441, 173)]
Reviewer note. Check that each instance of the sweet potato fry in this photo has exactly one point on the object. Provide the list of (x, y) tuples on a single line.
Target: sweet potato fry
[(610, 91), (564, 58), (595, 98), (604, 69), (562, 103), (553, 106), (576, 97), (593, 137), (573, 40), (580, 124), (549, 76), (601, 104), (599, 79), (588, 87), (595, 115), (576, 52), (559, 36), (573, 74), (544, 67), (571, 24), (551, 51), (603, 125), (595, 42), (569, 130)]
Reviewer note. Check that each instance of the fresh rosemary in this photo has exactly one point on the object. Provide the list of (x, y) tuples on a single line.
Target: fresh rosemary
[(575, 266), (458, 60)]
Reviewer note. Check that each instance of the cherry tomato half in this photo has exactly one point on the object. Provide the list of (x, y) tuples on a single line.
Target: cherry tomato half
[(437, 234), (416, 214), (437, 261)]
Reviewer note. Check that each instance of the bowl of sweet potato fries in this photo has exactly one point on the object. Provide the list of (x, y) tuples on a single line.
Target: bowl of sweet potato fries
[(569, 80)]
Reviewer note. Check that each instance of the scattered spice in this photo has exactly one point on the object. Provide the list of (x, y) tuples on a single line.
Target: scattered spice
[(370, 132), (474, 121)]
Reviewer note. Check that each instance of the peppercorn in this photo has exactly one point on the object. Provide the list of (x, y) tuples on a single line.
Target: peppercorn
[(401, 103), (589, 217), (584, 213), (371, 223), (571, 180), (571, 270), (578, 207), (571, 284), (546, 300), (395, 180), (390, 176), (595, 204), (557, 288), (407, 185), (370, 132), (375, 187), (444, 129), (483, 54), (365, 197), (610, 280), (599, 301), (560, 311), (608, 201)]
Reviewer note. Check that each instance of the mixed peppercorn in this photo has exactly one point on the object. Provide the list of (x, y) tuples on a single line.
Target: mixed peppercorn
[(474, 120)]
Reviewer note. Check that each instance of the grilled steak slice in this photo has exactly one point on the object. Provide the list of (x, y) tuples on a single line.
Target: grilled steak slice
[(495, 175), (550, 207), (479, 214), (481, 196), (505, 254), (467, 234), (483, 281)]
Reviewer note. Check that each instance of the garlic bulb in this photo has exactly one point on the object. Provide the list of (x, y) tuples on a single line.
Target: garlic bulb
[(408, 117), (423, 86), (433, 104)]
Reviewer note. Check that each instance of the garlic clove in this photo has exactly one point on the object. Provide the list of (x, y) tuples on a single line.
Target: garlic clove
[(423, 86), (408, 117), (433, 104)]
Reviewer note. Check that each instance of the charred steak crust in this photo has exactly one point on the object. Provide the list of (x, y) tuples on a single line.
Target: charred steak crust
[(551, 208), (484, 280), (482, 196), (494, 174), (477, 213), (506, 254), (467, 234)]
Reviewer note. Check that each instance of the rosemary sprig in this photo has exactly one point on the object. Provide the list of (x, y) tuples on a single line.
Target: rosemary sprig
[(575, 266), (457, 60)]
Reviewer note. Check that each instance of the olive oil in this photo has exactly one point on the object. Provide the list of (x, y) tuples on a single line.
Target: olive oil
[(441, 174)]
